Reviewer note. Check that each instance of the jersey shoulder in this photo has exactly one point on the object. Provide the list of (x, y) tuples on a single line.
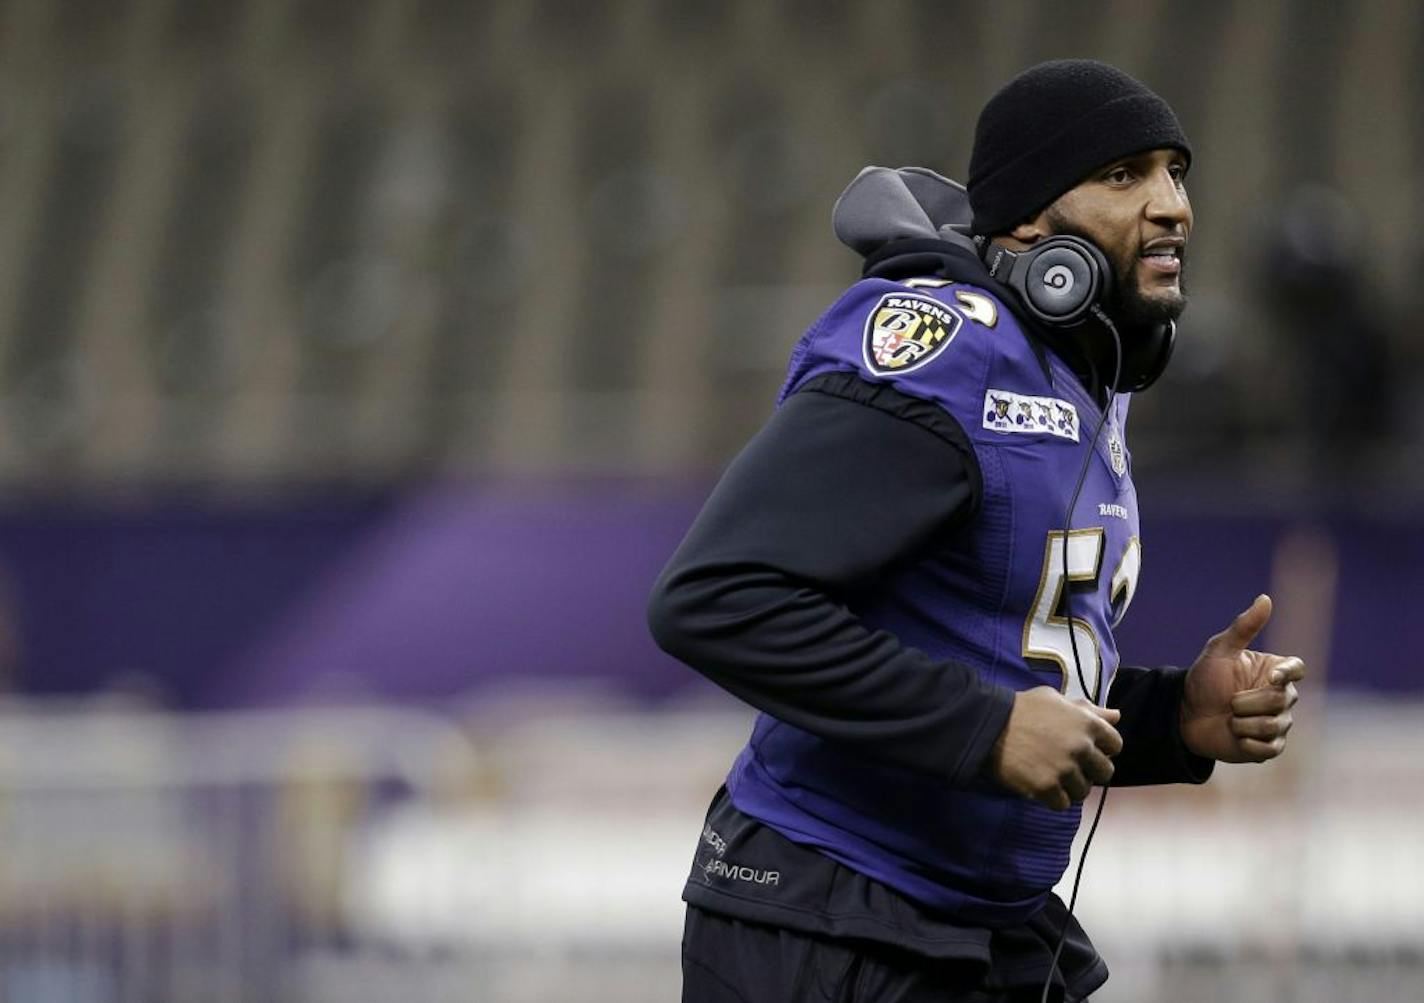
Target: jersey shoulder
[(930, 338)]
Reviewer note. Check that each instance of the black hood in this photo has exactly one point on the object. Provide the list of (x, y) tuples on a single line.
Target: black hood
[(910, 221), (883, 205)]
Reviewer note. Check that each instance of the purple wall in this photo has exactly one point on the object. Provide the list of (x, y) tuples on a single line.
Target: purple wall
[(434, 594), (172, 592)]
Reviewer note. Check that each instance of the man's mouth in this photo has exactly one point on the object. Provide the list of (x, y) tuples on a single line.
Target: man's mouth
[(1164, 256)]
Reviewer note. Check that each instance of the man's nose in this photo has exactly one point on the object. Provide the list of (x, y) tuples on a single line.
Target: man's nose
[(1167, 202)]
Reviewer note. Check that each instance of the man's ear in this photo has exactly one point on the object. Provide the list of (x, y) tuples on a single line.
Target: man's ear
[(1031, 231)]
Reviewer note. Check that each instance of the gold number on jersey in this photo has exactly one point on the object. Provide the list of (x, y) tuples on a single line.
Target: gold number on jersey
[(1052, 635), (1124, 579), (977, 307)]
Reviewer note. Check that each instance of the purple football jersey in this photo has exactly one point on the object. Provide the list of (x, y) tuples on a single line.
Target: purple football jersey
[(995, 597)]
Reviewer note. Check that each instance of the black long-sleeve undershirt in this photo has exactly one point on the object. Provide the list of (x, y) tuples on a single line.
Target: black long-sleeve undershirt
[(847, 481)]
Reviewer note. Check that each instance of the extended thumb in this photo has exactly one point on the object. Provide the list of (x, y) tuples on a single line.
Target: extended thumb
[(1248, 623)]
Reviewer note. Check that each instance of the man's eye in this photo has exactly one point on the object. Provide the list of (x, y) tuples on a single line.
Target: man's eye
[(1118, 175), (1178, 172)]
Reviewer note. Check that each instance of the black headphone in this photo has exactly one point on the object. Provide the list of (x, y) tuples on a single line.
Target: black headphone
[(1060, 282)]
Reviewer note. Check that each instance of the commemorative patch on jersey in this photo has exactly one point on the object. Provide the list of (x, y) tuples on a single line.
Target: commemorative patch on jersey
[(905, 331), (1006, 411)]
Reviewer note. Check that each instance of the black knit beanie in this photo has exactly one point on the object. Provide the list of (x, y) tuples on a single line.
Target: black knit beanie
[(1049, 127)]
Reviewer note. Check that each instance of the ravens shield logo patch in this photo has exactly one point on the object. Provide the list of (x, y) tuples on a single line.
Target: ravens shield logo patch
[(905, 331)]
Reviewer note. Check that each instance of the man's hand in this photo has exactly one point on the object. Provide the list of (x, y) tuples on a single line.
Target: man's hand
[(1236, 703), (1054, 750)]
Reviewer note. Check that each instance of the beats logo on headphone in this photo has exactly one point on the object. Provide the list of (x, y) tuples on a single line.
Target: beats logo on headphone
[(1058, 280)]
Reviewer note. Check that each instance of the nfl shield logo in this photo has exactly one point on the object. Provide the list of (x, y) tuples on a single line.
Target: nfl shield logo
[(1117, 452)]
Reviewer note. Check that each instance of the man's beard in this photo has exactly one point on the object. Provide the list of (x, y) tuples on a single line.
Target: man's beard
[(1126, 304)]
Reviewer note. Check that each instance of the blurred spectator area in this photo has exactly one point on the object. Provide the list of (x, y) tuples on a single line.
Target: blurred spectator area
[(367, 854), (363, 240)]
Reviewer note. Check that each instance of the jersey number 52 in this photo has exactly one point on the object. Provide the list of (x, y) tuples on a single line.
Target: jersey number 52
[(1051, 633)]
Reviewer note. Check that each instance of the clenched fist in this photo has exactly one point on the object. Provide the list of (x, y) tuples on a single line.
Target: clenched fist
[(1054, 749)]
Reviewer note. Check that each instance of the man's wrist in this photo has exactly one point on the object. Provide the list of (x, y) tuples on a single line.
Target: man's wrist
[(1198, 764)]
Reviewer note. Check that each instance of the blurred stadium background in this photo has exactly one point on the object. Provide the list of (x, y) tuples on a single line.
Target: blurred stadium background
[(362, 360)]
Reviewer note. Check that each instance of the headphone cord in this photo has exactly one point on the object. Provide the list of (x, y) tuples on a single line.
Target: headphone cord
[(1096, 690)]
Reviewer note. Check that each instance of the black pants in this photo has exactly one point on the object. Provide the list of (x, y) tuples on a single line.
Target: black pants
[(727, 960)]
